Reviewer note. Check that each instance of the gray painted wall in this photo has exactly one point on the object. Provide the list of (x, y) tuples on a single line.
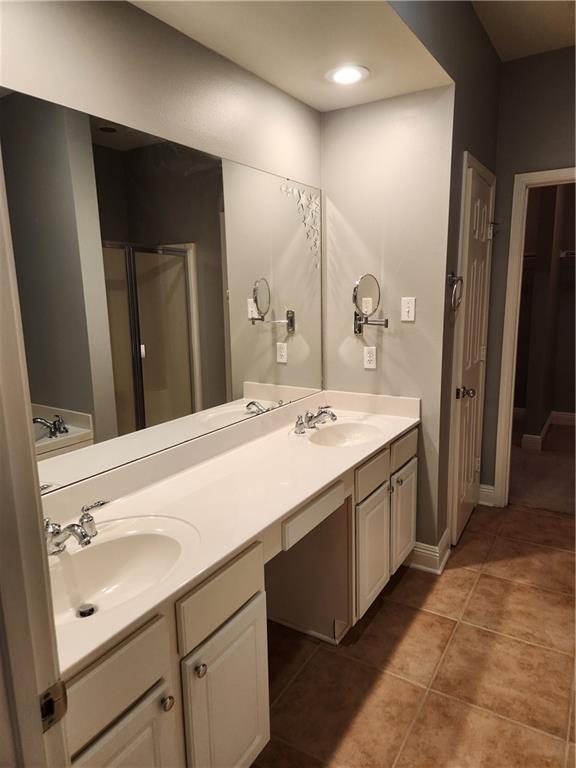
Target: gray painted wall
[(535, 133), (165, 193), (454, 36), (138, 72), (386, 177), (42, 219), (54, 221)]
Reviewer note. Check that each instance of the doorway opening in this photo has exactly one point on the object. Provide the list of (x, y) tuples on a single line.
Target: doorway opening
[(542, 451), (534, 452)]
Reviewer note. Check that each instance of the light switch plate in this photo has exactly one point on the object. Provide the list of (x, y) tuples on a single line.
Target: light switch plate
[(252, 309), (281, 352), (367, 305), (408, 309), (370, 358)]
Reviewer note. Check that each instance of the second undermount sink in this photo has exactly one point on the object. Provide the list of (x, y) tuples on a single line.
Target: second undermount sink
[(344, 434), (128, 557)]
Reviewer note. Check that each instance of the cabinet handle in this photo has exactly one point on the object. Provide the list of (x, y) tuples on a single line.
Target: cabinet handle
[(399, 481), (201, 670), (167, 703)]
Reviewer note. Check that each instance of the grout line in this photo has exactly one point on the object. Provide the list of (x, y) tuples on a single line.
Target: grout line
[(571, 708), (410, 728), (498, 715), (535, 544), (534, 644), (294, 676), (363, 663)]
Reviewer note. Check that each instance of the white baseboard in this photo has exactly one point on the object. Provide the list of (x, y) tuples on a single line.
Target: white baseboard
[(534, 442), (487, 495), (563, 418), (426, 557)]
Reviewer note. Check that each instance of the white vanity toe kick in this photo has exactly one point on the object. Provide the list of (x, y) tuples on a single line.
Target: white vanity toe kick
[(230, 500)]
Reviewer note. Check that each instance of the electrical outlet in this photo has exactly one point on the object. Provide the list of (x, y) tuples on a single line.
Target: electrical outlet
[(370, 358), (281, 352), (367, 305), (408, 309), (252, 309)]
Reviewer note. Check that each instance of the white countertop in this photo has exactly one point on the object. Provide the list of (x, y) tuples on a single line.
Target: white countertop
[(230, 500)]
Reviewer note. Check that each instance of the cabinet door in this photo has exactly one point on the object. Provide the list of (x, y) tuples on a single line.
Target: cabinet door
[(145, 737), (403, 516), (225, 684), (372, 547)]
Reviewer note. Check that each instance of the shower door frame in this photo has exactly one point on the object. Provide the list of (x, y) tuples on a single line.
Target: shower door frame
[(130, 250)]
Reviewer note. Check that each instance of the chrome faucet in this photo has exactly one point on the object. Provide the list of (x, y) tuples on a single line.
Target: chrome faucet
[(311, 420), (55, 428), (83, 531), (255, 407)]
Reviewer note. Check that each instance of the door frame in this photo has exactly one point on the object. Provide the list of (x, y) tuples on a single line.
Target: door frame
[(469, 163), (27, 632), (523, 182)]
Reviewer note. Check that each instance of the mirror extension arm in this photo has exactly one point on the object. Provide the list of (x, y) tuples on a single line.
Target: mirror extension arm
[(361, 320), (290, 321)]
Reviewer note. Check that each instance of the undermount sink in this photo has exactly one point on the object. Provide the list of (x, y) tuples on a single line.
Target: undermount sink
[(127, 557), (344, 434)]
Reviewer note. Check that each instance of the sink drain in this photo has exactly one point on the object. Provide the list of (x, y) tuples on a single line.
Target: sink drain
[(88, 609)]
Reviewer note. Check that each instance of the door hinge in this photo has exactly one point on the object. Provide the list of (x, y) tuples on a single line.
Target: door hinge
[(492, 229), (477, 465), (53, 704), (483, 354)]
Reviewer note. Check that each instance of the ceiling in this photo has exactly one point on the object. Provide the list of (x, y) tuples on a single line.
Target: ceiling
[(293, 44), (525, 28)]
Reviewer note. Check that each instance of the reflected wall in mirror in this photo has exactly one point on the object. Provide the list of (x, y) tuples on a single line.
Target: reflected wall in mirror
[(136, 261)]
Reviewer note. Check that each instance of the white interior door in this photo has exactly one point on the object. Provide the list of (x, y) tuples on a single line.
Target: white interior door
[(470, 347), (27, 634)]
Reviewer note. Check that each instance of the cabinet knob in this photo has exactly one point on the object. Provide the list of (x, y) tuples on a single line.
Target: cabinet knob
[(201, 670), (399, 481), (167, 703)]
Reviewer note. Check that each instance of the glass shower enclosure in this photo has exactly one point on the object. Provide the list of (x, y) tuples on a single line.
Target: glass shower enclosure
[(152, 307)]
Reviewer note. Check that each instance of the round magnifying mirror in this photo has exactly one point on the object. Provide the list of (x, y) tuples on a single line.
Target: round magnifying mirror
[(366, 295), (261, 296)]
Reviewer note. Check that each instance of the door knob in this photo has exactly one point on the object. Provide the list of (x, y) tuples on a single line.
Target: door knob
[(201, 670), (399, 481), (167, 703), (462, 392)]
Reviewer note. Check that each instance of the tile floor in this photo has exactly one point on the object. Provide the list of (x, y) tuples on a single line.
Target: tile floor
[(470, 669)]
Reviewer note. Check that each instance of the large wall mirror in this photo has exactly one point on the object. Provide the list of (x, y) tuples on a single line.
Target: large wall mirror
[(164, 292)]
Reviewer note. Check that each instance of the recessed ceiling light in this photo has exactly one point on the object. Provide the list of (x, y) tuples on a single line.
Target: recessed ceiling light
[(348, 74), (108, 129)]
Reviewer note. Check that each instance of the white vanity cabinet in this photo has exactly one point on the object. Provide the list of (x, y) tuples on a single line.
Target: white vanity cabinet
[(403, 486), (372, 547), (385, 523), (225, 685), (142, 737)]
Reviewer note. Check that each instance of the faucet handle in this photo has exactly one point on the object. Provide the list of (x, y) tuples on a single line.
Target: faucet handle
[(51, 528), (300, 427), (88, 523)]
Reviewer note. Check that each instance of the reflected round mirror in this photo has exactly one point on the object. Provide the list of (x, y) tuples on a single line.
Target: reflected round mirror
[(366, 295), (261, 296)]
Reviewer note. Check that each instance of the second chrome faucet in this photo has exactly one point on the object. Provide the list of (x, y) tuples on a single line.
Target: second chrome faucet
[(311, 420)]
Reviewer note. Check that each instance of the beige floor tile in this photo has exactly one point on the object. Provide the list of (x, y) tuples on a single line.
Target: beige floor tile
[(531, 564), (280, 755), (451, 734), (471, 551), (539, 526), (445, 594), (509, 677), (287, 652), (485, 520), (345, 713), (524, 612), (543, 479), (401, 640)]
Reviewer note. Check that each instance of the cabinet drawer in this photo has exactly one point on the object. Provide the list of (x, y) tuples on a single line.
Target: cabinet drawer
[(372, 474), (213, 602), (102, 693), (307, 518), (403, 450)]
